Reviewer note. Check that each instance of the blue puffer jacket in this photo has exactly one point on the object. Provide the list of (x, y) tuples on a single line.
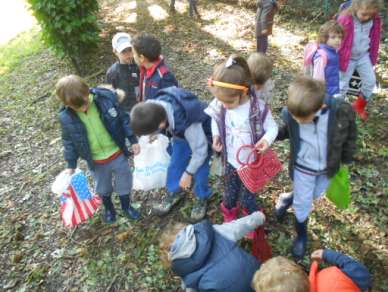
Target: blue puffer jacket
[(188, 109), (217, 264), (74, 135)]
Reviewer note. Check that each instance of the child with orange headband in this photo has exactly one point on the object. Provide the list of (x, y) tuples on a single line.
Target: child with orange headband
[(238, 118)]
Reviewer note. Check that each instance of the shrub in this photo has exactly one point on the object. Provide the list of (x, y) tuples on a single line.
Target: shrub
[(68, 26)]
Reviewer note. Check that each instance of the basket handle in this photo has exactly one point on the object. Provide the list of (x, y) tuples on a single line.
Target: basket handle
[(256, 163)]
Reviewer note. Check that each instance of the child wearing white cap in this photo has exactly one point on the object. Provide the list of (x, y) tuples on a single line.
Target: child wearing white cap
[(124, 74)]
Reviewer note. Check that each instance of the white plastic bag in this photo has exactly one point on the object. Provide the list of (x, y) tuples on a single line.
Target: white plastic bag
[(78, 202), (151, 163), (61, 182)]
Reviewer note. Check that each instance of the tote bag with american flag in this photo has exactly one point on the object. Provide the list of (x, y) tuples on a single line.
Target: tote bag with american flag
[(78, 203)]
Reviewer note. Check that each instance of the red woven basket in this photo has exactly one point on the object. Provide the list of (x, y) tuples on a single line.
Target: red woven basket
[(256, 174)]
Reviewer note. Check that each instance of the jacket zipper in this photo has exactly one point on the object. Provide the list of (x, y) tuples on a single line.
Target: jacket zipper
[(319, 149)]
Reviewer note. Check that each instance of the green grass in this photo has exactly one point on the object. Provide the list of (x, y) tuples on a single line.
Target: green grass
[(21, 47)]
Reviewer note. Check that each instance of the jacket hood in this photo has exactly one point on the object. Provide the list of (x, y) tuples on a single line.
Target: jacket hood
[(204, 235)]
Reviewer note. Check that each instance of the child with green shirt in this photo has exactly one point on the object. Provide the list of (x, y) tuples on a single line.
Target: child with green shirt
[(94, 128)]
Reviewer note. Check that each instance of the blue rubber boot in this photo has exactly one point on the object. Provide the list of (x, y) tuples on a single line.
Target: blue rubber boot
[(300, 243), (128, 210), (109, 210)]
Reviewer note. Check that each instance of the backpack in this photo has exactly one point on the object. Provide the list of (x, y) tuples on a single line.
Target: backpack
[(308, 61)]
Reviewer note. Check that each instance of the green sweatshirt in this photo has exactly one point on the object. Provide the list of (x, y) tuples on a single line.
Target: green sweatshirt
[(101, 143)]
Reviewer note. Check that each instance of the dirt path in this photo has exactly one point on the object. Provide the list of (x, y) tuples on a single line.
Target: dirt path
[(14, 18), (38, 253)]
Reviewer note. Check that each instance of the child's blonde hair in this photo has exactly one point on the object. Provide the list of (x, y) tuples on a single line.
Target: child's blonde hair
[(305, 96), (166, 240), (279, 275), (260, 67), (370, 4), (328, 27), (234, 71), (72, 90)]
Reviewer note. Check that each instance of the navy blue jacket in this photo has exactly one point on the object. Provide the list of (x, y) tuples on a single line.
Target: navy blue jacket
[(74, 135), (125, 77), (217, 263), (188, 109), (161, 77), (341, 140), (352, 268)]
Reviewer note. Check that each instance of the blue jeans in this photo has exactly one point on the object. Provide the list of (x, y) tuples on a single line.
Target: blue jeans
[(180, 158)]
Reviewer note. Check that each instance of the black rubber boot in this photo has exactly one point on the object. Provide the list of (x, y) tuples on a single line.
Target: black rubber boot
[(300, 243), (109, 210), (284, 202), (128, 210)]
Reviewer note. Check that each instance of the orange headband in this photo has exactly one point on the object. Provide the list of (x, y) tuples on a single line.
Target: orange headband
[(212, 82)]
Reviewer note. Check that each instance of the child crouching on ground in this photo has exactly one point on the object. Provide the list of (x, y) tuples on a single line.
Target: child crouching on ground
[(181, 114), (345, 275), (94, 128), (206, 257), (322, 133)]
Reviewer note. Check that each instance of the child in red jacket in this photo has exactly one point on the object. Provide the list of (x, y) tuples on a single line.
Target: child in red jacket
[(345, 275)]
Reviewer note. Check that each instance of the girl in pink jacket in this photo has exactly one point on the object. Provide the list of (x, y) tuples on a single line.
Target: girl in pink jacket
[(359, 48)]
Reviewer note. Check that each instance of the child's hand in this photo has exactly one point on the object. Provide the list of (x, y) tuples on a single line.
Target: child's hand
[(185, 181), (69, 171), (258, 217), (217, 145), (136, 149), (262, 145), (317, 255)]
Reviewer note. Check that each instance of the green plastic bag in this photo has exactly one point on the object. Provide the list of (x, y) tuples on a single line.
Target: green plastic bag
[(338, 191)]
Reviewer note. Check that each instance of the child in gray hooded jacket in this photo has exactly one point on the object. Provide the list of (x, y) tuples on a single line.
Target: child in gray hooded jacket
[(206, 256)]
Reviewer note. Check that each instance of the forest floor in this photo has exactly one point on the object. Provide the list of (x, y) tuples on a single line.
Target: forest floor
[(38, 254)]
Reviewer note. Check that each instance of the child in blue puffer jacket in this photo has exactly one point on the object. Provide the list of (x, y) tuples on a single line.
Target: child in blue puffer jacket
[(207, 258), (95, 128)]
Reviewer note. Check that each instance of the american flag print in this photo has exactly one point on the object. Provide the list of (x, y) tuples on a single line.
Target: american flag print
[(78, 203)]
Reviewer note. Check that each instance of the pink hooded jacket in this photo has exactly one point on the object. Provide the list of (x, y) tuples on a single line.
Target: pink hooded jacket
[(346, 20)]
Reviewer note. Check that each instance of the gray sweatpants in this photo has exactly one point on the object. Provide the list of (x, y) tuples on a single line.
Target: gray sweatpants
[(115, 176), (364, 68), (307, 188)]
